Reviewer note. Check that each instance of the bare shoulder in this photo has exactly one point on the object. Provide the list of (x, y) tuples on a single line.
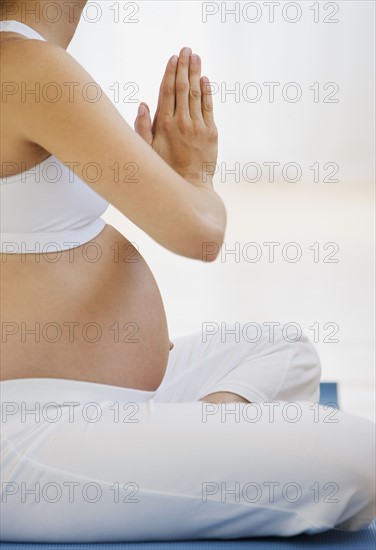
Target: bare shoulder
[(39, 81), (37, 76), (42, 81), (17, 51), (24, 66), (25, 60)]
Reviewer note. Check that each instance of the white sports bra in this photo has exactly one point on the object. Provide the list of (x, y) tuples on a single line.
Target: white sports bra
[(46, 208)]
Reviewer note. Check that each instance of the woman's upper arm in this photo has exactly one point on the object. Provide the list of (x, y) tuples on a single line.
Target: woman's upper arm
[(75, 121)]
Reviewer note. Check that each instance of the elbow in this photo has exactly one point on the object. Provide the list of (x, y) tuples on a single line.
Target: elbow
[(203, 241), (208, 246), (205, 248), (212, 233), (210, 236)]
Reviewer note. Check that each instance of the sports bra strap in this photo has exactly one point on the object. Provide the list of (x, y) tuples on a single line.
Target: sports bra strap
[(20, 28)]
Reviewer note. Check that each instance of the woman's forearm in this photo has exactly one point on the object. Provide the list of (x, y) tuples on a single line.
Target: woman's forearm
[(209, 224)]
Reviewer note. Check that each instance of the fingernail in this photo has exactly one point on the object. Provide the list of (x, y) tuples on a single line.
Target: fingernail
[(141, 110), (194, 59), (174, 59), (187, 52)]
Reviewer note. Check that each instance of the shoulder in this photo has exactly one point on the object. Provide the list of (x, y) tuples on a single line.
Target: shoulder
[(41, 80), (34, 59)]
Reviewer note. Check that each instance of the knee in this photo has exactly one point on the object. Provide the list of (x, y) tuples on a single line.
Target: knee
[(305, 351), (303, 370), (306, 368)]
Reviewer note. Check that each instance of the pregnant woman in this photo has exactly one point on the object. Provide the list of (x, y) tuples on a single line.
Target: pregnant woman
[(109, 431)]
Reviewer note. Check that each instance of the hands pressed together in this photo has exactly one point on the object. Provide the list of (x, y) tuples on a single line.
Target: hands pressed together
[(183, 131)]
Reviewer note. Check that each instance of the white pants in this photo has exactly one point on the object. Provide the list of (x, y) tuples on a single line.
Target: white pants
[(85, 462)]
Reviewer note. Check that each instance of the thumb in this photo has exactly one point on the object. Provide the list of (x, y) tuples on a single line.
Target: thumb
[(142, 124)]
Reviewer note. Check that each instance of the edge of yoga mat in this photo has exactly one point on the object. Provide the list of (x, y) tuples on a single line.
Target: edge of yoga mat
[(333, 539)]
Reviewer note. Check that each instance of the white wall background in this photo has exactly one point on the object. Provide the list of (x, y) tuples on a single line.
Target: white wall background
[(236, 53)]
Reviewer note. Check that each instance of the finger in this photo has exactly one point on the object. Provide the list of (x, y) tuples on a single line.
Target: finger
[(154, 124), (195, 88), (207, 101), (182, 83), (166, 100), (142, 124)]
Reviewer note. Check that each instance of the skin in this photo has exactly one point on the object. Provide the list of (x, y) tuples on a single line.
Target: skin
[(171, 201)]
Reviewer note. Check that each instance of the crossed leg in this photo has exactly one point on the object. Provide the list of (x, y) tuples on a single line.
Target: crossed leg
[(219, 368)]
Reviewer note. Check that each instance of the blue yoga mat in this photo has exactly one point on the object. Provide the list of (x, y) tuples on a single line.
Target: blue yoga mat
[(341, 540), (333, 539), (329, 394)]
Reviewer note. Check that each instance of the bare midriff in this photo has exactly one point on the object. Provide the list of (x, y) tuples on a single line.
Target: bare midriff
[(92, 313)]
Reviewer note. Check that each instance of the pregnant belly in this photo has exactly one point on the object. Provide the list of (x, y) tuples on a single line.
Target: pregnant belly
[(93, 313)]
